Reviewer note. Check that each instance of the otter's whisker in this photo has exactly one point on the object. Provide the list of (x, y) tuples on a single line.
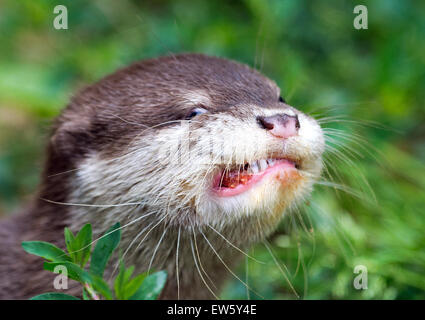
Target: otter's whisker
[(226, 266), (231, 244), (128, 248), (199, 271), (331, 220), (199, 258), (358, 140), (137, 236), (310, 231), (344, 188), (352, 165), (363, 123), (64, 172), (300, 262), (156, 249), (300, 218), (343, 158), (108, 233), (280, 268), (92, 205), (177, 264), (140, 243), (329, 166), (352, 152), (248, 297)]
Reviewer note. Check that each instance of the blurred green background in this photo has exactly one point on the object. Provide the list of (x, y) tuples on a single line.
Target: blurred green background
[(368, 83)]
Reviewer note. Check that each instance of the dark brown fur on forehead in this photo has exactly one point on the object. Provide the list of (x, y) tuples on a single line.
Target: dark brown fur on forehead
[(154, 88)]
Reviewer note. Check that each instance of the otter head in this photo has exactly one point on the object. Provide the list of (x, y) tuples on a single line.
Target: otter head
[(191, 140)]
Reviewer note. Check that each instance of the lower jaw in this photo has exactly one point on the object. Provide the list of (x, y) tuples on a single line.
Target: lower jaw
[(281, 170)]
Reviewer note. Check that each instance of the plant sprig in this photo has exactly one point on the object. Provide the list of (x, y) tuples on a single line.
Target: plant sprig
[(94, 287)]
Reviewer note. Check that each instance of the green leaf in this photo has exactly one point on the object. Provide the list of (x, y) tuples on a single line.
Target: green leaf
[(79, 246), (102, 287), (133, 285), (127, 274), (151, 287), (54, 296), (85, 295), (46, 250), (103, 250), (75, 272), (69, 241), (124, 286), (119, 282)]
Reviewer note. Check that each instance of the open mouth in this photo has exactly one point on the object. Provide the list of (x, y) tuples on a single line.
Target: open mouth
[(238, 180)]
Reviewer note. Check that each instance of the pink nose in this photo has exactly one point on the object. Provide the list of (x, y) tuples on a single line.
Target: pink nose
[(280, 125)]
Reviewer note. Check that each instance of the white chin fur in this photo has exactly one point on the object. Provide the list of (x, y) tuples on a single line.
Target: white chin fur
[(262, 199)]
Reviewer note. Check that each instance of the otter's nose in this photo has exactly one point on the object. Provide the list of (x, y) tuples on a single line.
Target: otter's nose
[(280, 125)]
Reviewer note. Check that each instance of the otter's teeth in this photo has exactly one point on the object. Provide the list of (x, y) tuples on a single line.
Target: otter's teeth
[(263, 164), (254, 167), (259, 165)]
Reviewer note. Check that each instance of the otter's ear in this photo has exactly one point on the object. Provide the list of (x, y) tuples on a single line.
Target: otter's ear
[(70, 137)]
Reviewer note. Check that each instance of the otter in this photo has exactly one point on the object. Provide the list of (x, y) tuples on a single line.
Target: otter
[(198, 158)]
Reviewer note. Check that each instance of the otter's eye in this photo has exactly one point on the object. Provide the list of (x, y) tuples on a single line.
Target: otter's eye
[(195, 112), (281, 99)]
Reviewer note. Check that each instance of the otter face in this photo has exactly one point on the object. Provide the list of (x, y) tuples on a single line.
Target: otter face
[(246, 162), (197, 140)]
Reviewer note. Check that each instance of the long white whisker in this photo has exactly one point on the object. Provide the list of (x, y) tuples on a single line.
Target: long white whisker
[(199, 258), (156, 249), (108, 233), (230, 270), (344, 188), (199, 271), (177, 265), (241, 251), (248, 297), (92, 205), (59, 173), (140, 243), (280, 268)]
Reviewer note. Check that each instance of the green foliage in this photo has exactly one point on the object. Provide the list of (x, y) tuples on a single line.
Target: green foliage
[(54, 296), (45, 250), (152, 287), (103, 250), (321, 63), (125, 286), (75, 272), (139, 287), (79, 246)]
